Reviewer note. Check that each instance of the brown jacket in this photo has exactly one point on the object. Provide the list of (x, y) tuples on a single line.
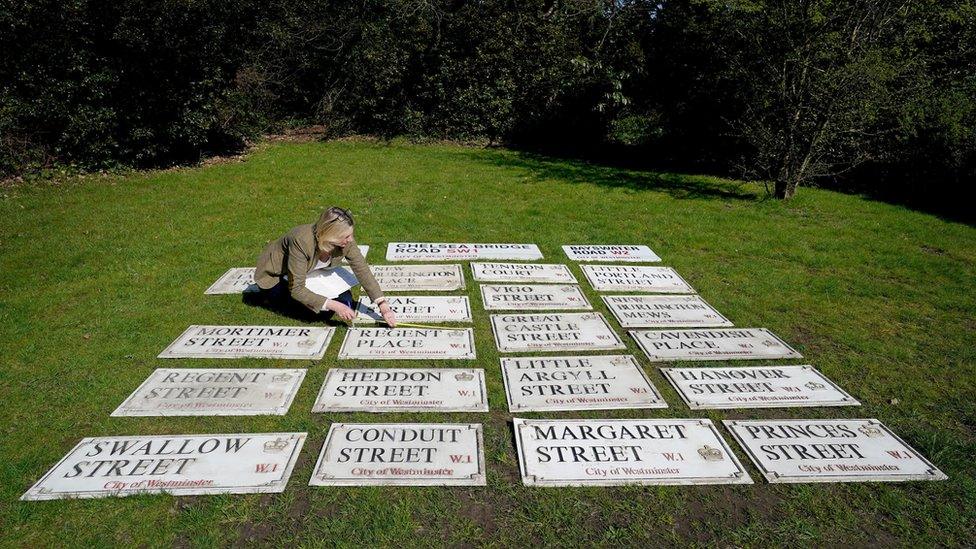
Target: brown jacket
[(296, 253)]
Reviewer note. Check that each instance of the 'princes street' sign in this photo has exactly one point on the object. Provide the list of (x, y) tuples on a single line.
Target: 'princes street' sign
[(830, 450), (403, 390), (757, 387), (214, 392), (663, 311), (286, 342), (607, 452), (533, 297), (418, 309), (600, 382), (241, 279), (630, 278), (407, 344), (431, 251), (181, 465), (641, 254), (554, 332), (418, 278), (523, 272), (712, 344), (401, 454)]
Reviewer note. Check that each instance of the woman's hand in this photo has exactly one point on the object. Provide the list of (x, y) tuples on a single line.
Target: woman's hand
[(388, 315), (341, 310)]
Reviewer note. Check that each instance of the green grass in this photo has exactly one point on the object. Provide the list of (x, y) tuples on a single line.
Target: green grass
[(99, 274)]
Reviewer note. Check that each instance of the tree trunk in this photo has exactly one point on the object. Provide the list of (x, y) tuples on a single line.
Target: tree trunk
[(785, 190)]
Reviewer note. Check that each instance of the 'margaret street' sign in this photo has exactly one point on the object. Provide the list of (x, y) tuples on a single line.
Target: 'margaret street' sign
[(286, 342), (418, 309), (418, 278), (756, 387), (533, 297), (712, 344), (554, 332), (641, 254), (664, 311), (523, 272), (403, 390), (632, 278), (407, 344), (434, 251)]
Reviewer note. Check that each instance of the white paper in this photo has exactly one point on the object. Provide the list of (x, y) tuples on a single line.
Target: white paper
[(630, 253), (523, 272), (664, 311), (533, 297), (632, 278), (331, 283), (554, 332), (756, 387), (437, 251), (712, 344), (419, 278), (408, 344), (286, 342), (403, 390), (421, 309)]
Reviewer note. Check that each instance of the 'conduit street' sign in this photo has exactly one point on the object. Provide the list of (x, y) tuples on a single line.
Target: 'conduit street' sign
[(758, 387), (403, 390), (407, 344), (418, 309), (522, 272), (554, 332), (418, 278), (830, 450), (629, 278), (241, 279), (431, 251), (287, 342), (180, 465), (600, 382), (611, 253), (214, 392), (606, 452), (405, 454), (712, 344), (533, 297), (663, 311)]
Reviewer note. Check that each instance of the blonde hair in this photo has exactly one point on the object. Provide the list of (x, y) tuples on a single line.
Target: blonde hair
[(333, 221)]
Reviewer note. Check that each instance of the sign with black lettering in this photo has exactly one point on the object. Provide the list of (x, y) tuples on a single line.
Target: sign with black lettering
[(830, 450), (285, 342), (436, 251), (403, 390), (554, 332), (418, 309), (598, 252), (663, 311), (523, 272), (712, 344), (418, 278), (401, 454), (407, 344), (235, 281), (533, 297), (608, 452), (756, 387), (632, 278), (214, 392), (599, 382), (180, 465)]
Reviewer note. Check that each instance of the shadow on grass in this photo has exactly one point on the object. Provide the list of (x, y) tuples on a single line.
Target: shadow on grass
[(287, 308)]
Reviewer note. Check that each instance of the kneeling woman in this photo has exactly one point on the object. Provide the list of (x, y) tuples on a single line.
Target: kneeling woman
[(311, 250)]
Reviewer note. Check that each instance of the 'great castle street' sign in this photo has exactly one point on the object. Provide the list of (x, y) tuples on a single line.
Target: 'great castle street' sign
[(554, 332)]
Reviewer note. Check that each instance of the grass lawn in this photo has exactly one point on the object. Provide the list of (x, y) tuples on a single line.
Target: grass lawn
[(99, 274)]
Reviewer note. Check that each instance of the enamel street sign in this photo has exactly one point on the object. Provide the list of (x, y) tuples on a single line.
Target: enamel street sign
[(712, 344), (286, 342), (633, 278), (641, 254), (436, 251), (407, 344), (554, 332), (544, 273), (756, 387), (664, 311), (533, 297), (403, 390), (418, 278), (418, 309)]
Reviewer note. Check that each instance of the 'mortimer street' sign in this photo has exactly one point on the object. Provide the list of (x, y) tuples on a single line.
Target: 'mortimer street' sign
[(418, 278), (436, 251), (712, 344), (533, 297), (403, 390), (830, 450), (418, 309), (554, 332), (180, 465), (630, 278), (241, 279), (522, 272), (611, 253), (286, 342), (407, 344), (214, 392), (663, 311), (606, 452), (402, 454), (756, 387), (599, 382)]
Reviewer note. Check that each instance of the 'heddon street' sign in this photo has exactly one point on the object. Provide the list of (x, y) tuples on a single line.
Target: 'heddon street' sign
[(181, 465), (635, 254), (403, 390), (712, 344), (418, 309), (523, 272), (418, 278), (554, 332), (599, 382), (630, 278), (286, 342), (404, 454), (830, 450), (533, 297), (756, 387), (663, 311), (214, 392), (436, 251), (407, 344), (607, 452), (241, 279)]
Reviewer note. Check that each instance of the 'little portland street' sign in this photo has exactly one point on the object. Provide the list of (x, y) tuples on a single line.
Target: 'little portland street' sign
[(287, 342), (407, 344), (632, 278), (554, 332), (712, 344), (435, 251)]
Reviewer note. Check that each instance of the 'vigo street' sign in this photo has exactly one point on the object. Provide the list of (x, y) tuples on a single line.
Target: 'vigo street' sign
[(641, 254), (830, 450), (418, 278), (533, 297), (554, 332), (241, 279), (418, 309), (287, 342), (407, 344), (756, 387), (712, 344), (401, 454), (606, 452), (631, 278), (403, 390), (523, 272), (436, 251), (663, 311)]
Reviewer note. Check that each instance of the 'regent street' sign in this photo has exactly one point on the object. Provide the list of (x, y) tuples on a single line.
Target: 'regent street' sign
[(418, 309), (418, 278), (523, 272), (712, 344), (286, 342), (632, 278), (641, 254), (554, 332), (436, 251), (663, 311), (403, 390), (533, 297), (407, 344), (756, 387)]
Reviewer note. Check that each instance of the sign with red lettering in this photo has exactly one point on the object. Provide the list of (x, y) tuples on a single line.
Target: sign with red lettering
[(712, 344), (756, 387), (533, 297), (286, 342), (437, 251), (408, 344), (403, 390), (554, 332), (523, 272), (453, 308), (618, 252), (664, 311)]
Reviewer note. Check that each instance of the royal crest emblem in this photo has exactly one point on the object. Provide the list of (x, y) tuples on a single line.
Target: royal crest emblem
[(275, 446), (710, 454)]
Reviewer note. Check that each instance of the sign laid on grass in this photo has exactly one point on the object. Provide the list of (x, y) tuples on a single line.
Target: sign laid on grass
[(533, 297), (554, 332), (830, 450), (418, 278), (756, 387), (418, 309), (286, 342), (403, 390), (402, 454), (241, 279), (600, 382), (632, 278), (663, 311), (523, 272), (437, 251), (606, 452), (180, 465), (635, 254), (407, 344), (214, 392), (712, 344)]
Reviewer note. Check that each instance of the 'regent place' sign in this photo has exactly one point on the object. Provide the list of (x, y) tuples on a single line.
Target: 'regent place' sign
[(712, 344), (407, 344), (403, 390), (523, 272), (756, 387), (554, 332), (418, 278), (286, 342), (435, 251), (418, 309), (663, 311), (636, 254), (629, 278), (533, 297)]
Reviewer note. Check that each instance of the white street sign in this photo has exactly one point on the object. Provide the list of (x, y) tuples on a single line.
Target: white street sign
[(403, 390), (286, 342), (554, 332), (663, 311), (632, 278), (418, 309), (437, 251), (418, 278), (641, 254), (756, 387), (407, 344), (712, 344), (544, 273), (533, 297)]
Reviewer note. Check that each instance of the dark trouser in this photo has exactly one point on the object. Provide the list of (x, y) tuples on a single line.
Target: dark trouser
[(279, 298)]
